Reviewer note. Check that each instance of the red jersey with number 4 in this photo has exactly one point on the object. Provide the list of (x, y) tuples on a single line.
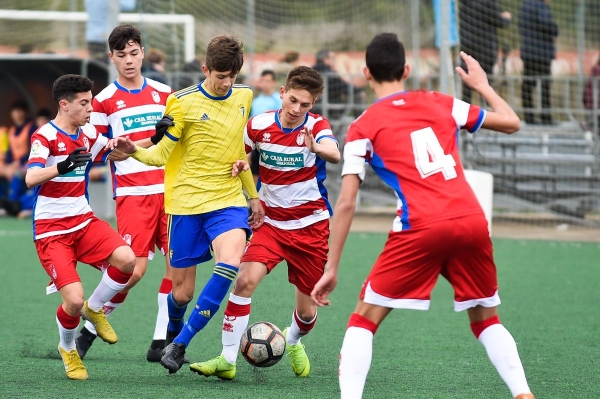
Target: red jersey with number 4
[(410, 139)]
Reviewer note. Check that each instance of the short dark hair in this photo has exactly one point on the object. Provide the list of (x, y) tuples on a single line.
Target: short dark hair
[(122, 35), (225, 53), (305, 78), (386, 58), (20, 104), (44, 112), (322, 54), (68, 86), (268, 72)]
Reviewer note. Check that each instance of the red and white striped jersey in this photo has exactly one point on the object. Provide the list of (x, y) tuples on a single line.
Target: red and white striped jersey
[(292, 178), (61, 204), (132, 113)]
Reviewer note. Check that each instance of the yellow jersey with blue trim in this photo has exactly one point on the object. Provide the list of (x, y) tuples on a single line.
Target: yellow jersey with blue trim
[(200, 149)]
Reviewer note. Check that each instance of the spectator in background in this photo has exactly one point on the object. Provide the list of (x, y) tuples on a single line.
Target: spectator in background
[(43, 116), (13, 167), (155, 69), (588, 92), (337, 89), (538, 32), (98, 26), (478, 21), (290, 60), (267, 100)]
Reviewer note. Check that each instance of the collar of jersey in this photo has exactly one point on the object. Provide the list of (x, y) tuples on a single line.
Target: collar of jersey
[(287, 130), (71, 136), (207, 94), (391, 95), (134, 91)]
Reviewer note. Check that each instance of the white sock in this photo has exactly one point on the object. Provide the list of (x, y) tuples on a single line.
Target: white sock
[(355, 362), (106, 289), (502, 351), (233, 328), (162, 318), (67, 337), (296, 332)]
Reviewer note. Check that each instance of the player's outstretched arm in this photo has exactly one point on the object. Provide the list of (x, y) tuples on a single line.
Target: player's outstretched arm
[(77, 158), (327, 149), (502, 117), (340, 227)]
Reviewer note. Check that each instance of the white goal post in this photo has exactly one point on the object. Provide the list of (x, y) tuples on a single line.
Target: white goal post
[(185, 19)]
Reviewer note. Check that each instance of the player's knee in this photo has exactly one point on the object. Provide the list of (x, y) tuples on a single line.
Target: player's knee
[(244, 285), (127, 261), (306, 314), (182, 295), (73, 304)]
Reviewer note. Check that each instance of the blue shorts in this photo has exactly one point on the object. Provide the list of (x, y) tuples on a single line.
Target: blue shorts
[(190, 236)]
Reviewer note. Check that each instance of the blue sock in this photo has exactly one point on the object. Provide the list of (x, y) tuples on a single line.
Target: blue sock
[(208, 302), (176, 313)]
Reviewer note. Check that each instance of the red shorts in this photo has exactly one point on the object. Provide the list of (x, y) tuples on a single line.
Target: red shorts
[(92, 244), (142, 222), (408, 268), (305, 251)]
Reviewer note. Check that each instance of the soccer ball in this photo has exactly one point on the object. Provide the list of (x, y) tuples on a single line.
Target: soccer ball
[(262, 344)]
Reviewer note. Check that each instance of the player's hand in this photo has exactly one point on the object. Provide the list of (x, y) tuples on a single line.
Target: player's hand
[(476, 78), (323, 288), (258, 214), (79, 157), (239, 166), (309, 139), (123, 144), (161, 128), (117, 156)]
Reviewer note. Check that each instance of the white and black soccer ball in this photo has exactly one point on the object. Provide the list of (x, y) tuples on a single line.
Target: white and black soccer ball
[(262, 344)]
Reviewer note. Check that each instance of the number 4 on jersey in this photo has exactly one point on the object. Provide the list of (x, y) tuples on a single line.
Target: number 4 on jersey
[(429, 155)]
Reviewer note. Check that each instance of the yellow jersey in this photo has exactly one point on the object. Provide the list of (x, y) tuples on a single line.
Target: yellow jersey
[(200, 149)]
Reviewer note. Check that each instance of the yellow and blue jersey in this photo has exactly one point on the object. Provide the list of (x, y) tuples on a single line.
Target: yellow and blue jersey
[(200, 149)]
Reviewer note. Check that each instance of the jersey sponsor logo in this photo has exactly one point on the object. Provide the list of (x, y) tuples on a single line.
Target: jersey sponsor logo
[(282, 160), (300, 138), (205, 117), (121, 104), (62, 146), (141, 120), (156, 97), (78, 171), (36, 149)]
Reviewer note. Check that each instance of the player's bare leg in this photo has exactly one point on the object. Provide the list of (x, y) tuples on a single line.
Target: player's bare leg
[(357, 348), (235, 322), (501, 349), (304, 318), (67, 318)]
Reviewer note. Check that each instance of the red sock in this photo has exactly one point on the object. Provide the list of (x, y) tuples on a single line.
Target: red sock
[(479, 326), (65, 319), (166, 286), (357, 320)]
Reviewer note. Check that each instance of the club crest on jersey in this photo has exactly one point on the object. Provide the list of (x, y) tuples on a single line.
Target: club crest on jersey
[(266, 137), (86, 143), (121, 104), (127, 239), (156, 97), (300, 138)]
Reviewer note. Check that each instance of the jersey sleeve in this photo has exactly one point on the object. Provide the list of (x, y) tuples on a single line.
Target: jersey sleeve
[(40, 150), (358, 150), (99, 118), (467, 116), (98, 151), (322, 131), (249, 137)]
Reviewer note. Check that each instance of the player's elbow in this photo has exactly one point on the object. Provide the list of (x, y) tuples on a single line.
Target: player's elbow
[(29, 179), (335, 158), (513, 125)]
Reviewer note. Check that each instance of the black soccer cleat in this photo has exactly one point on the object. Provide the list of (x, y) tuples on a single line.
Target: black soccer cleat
[(173, 357), (155, 351), (171, 335), (84, 341)]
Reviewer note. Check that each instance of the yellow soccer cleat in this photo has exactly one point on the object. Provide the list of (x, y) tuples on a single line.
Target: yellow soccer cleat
[(298, 357), (218, 367), (98, 319), (73, 365)]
